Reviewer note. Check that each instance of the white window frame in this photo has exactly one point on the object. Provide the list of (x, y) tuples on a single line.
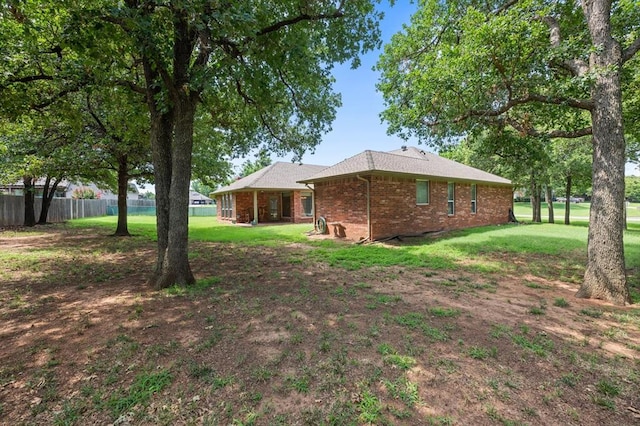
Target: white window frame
[(310, 195), (451, 198), (474, 198), (428, 190)]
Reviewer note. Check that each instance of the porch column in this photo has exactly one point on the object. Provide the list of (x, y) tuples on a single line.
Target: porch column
[(255, 207)]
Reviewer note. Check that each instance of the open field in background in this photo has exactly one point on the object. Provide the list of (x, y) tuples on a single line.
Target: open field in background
[(579, 211), (472, 327)]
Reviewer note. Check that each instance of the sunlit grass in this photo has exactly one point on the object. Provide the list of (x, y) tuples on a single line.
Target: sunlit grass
[(207, 228), (485, 249), (552, 251), (577, 211)]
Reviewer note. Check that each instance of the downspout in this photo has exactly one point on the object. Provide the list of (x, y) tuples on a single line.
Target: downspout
[(368, 206), (313, 204)]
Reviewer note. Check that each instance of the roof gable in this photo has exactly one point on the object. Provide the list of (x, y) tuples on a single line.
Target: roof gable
[(407, 161), (279, 175)]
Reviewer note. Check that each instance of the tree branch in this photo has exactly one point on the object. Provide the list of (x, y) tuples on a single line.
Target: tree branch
[(247, 98), (338, 13), (131, 86), (585, 104), (577, 67), (291, 90), (30, 78), (61, 94), (505, 7), (95, 117), (565, 134), (269, 129), (631, 50)]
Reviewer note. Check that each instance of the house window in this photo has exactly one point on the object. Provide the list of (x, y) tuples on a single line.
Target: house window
[(307, 204), (286, 204), (422, 192), (474, 204), (451, 198), (223, 205), (227, 205)]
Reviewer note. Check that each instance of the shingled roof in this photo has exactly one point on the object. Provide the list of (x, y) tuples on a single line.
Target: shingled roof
[(411, 162), (279, 175)]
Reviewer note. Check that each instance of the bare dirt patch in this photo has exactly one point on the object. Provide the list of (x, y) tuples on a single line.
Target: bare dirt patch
[(267, 339)]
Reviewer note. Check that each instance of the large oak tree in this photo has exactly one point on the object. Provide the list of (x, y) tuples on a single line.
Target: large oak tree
[(262, 70), (553, 69)]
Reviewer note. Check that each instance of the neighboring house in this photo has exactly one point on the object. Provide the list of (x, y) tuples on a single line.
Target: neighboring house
[(65, 189), (197, 198), (271, 194), (17, 188), (103, 194), (374, 195)]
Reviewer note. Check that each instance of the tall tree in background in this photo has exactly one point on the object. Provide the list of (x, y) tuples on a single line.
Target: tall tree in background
[(44, 80), (501, 151), (262, 160), (570, 168), (262, 71), (551, 69), (40, 147), (116, 128)]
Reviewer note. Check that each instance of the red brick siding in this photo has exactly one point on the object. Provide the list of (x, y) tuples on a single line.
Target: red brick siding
[(298, 211), (394, 210), (343, 201), (219, 207), (243, 207)]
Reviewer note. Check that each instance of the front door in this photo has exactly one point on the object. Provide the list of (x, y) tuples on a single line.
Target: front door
[(273, 208)]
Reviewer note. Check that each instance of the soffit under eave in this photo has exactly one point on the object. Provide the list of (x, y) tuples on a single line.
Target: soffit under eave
[(235, 191), (409, 176)]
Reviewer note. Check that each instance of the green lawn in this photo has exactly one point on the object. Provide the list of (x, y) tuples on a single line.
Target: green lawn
[(393, 333), (578, 211), (546, 250)]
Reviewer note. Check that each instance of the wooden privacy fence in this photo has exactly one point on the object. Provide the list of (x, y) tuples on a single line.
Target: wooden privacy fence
[(62, 209)]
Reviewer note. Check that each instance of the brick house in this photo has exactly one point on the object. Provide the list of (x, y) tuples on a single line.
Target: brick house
[(374, 195), (271, 194)]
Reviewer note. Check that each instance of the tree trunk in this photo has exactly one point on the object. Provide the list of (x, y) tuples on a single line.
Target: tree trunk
[(567, 201), (549, 197), (29, 200), (532, 199), (605, 276), (175, 267), (47, 197), (161, 136), (122, 230), (536, 203)]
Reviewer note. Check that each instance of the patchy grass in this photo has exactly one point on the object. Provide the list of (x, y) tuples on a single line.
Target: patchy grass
[(470, 327)]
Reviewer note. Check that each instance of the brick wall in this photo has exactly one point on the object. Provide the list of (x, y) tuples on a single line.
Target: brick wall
[(298, 210), (243, 207), (394, 210), (344, 201)]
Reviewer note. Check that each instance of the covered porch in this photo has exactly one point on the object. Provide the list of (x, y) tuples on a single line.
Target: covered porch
[(268, 206)]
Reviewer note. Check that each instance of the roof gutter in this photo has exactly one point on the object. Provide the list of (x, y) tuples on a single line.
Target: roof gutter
[(368, 206)]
